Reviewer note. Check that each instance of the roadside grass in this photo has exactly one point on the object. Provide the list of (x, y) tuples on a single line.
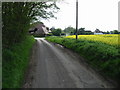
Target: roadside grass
[(103, 57), (15, 61)]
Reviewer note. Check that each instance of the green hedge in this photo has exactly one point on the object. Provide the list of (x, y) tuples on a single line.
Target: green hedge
[(105, 58), (15, 61)]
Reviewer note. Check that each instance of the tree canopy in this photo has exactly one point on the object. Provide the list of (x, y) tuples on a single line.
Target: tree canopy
[(57, 32), (70, 30), (17, 16)]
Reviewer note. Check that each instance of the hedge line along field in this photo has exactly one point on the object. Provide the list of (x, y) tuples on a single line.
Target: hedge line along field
[(14, 63), (102, 56)]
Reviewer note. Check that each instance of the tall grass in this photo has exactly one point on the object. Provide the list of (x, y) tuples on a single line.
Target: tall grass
[(15, 61)]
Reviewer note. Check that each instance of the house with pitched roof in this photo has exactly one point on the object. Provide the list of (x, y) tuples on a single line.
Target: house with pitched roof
[(39, 30)]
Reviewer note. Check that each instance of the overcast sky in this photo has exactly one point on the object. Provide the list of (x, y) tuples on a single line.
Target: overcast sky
[(101, 14)]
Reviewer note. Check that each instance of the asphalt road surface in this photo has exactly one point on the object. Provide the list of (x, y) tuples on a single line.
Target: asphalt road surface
[(57, 67)]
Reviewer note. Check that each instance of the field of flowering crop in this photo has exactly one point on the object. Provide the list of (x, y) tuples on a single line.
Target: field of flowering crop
[(111, 39)]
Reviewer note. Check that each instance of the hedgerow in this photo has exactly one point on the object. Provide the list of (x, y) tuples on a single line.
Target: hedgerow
[(103, 57)]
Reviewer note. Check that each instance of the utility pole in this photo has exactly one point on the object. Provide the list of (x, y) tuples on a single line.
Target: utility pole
[(76, 19)]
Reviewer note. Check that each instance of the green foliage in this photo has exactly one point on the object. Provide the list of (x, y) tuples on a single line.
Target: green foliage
[(15, 61), (81, 31), (56, 32), (115, 32), (50, 34), (104, 57), (16, 20), (70, 30), (17, 16)]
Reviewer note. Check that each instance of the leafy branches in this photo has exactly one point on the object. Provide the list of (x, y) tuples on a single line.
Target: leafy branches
[(17, 17)]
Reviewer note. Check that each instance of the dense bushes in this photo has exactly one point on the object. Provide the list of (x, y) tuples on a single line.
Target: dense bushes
[(57, 32), (102, 56), (15, 61)]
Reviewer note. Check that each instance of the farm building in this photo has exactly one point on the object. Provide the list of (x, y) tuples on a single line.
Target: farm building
[(39, 30)]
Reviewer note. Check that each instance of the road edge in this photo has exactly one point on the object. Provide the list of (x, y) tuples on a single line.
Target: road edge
[(106, 80)]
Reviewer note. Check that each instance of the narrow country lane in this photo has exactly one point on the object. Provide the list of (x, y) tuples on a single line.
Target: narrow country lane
[(58, 67)]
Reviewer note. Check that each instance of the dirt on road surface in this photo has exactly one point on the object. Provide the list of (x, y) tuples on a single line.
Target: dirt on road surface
[(53, 66)]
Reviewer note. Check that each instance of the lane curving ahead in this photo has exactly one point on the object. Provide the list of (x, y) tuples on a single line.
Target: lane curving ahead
[(58, 67)]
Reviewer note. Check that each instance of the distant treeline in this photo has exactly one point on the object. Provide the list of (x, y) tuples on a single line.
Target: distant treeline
[(81, 31)]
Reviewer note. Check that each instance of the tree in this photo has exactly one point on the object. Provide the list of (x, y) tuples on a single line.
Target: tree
[(69, 30), (88, 33), (17, 16), (81, 31), (107, 32), (57, 32), (115, 32)]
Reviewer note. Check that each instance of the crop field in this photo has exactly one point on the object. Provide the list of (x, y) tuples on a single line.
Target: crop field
[(111, 39)]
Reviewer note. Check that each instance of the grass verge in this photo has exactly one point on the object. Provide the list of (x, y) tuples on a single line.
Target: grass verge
[(15, 61), (103, 57)]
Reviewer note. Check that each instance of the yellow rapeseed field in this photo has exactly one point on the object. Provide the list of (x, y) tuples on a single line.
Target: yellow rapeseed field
[(111, 39)]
